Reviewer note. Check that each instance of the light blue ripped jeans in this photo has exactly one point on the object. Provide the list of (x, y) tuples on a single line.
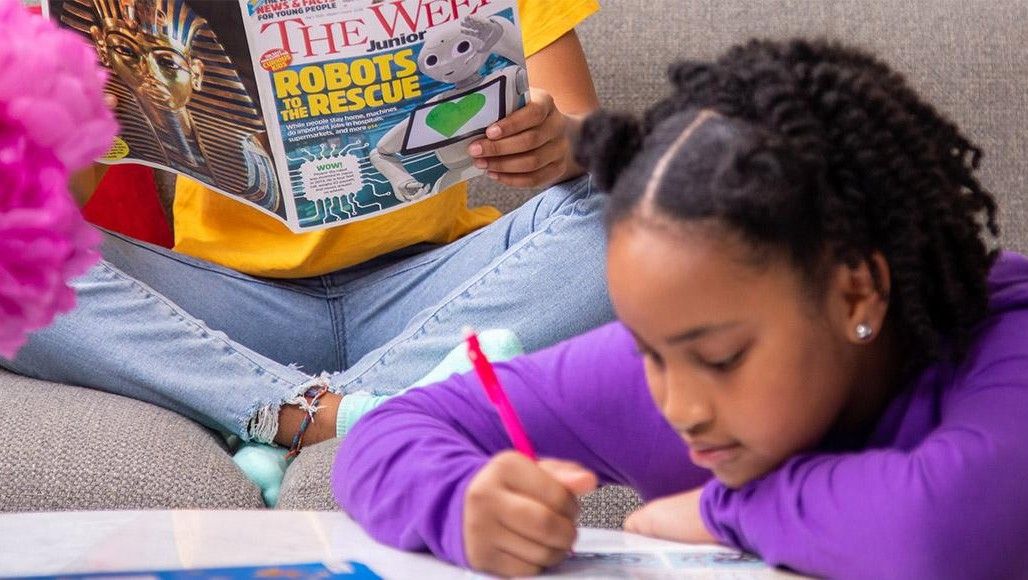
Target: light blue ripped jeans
[(227, 349)]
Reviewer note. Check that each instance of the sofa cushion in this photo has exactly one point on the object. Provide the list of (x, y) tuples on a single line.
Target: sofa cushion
[(608, 507), (75, 448), (306, 485)]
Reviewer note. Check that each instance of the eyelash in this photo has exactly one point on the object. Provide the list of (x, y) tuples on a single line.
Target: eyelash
[(725, 365), (650, 354)]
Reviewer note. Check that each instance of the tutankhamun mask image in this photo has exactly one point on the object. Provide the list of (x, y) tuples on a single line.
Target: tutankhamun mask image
[(181, 101)]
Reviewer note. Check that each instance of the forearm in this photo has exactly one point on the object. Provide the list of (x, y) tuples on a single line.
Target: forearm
[(562, 70), (574, 129), (401, 474)]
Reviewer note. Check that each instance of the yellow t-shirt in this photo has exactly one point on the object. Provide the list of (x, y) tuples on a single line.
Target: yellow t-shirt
[(214, 227)]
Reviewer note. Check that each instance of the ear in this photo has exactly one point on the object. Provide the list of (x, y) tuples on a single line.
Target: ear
[(196, 68), (860, 298)]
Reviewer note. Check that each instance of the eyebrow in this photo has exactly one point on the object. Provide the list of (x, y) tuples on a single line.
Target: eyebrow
[(700, 331), (692, 333)]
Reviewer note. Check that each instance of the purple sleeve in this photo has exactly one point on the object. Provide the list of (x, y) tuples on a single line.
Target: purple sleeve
[(952, 505), (403, 471)]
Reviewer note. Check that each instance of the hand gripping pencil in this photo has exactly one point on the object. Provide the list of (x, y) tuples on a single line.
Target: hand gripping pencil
[(497, 396)]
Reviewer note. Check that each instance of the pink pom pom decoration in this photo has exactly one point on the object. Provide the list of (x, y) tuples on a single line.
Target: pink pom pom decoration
[(53, 120)]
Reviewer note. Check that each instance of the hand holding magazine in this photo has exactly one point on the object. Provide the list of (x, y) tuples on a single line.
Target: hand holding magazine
[(317, 112)]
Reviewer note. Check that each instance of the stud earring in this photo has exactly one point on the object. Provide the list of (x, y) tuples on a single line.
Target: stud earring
[(864, 332)]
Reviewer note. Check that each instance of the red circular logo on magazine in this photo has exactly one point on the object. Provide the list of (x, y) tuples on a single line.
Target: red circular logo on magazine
[(275, 60)]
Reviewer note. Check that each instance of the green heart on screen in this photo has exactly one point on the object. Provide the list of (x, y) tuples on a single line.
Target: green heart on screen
[(447, 118)]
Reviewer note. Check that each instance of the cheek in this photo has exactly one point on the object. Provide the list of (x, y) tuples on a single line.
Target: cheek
[(658, 389), (786, 400)]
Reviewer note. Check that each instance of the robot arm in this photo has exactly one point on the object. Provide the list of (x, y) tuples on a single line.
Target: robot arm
[(497, 35), (261, 179), (521, 82), (386, 159)]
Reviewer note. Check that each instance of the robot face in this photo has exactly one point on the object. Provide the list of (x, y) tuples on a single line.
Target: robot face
[(451, 58)]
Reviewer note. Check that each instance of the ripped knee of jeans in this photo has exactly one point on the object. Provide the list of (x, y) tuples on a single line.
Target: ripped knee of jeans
[(263, 424)]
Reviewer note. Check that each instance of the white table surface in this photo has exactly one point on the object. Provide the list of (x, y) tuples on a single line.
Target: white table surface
[(75, 542)]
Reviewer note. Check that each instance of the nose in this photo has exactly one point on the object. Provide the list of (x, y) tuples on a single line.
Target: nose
[(688, 408)]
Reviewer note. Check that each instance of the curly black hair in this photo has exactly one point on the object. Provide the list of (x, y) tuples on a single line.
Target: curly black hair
[(815, 149)]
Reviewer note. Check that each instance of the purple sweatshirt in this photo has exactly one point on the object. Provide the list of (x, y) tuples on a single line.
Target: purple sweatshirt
[(941, 489)]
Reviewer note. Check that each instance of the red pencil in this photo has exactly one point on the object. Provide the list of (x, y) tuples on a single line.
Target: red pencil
[(494, 391)]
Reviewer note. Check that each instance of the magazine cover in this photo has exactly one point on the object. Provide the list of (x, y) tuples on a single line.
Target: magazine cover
[(317, 112), (187, 99)]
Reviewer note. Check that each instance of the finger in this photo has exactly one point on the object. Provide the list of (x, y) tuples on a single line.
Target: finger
[(474, 32), (531, 115), (529, 518), (503, 564), (524, 141), (530, 550), (532, 482), (545, 176), (551, 129), (577, 479), (526, 162)]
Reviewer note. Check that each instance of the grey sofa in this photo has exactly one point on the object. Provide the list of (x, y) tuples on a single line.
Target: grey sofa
[(67, 447)]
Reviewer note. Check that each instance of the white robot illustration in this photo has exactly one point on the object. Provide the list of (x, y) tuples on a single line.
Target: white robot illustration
[(455, 57)]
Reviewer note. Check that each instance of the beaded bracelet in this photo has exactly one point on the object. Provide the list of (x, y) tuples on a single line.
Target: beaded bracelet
[(314, 393)]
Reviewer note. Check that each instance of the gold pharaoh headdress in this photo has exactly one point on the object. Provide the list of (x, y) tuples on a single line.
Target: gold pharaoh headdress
[(172, 20)]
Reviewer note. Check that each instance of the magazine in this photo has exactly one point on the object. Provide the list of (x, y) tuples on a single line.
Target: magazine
[(316, 112), (311, 571)]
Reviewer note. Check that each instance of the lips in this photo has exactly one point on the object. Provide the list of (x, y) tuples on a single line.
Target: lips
[(712, 456)]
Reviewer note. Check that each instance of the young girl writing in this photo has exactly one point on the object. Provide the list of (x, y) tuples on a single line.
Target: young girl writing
[(818, 358)]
